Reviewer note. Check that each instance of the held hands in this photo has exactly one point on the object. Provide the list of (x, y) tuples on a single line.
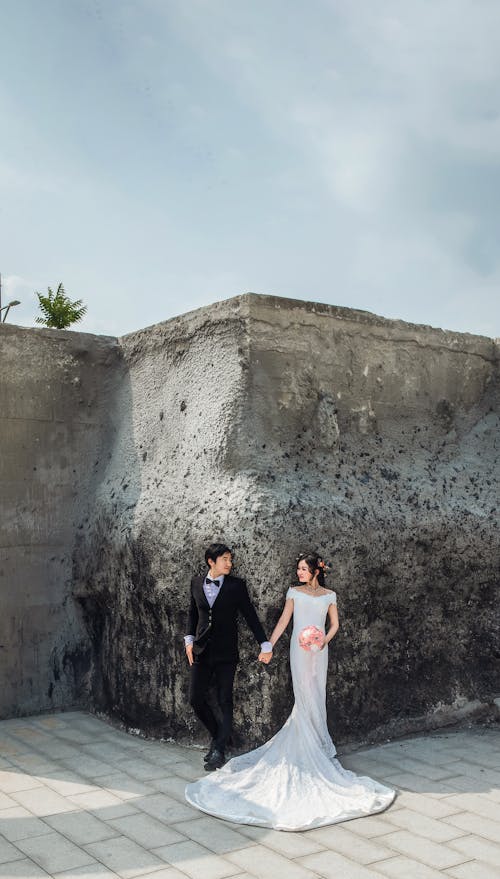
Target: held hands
[(265, 657)]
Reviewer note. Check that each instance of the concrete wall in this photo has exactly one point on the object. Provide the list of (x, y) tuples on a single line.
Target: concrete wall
[(54, 389), (277, 425)]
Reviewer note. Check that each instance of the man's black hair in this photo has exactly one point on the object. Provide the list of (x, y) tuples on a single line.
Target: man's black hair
[(215, 550)]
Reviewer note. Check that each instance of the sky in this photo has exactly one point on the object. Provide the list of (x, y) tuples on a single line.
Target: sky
[(160, 155)]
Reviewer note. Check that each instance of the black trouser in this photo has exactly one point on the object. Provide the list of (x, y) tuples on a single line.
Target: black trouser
[(202, 672)]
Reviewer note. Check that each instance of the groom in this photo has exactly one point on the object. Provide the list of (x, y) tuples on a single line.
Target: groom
[(212, 644)]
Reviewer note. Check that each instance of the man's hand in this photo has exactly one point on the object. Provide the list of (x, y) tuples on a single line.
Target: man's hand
[(189, 653), (265, 657)]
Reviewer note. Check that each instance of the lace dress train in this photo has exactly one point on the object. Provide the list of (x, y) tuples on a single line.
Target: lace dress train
[(294, 781)]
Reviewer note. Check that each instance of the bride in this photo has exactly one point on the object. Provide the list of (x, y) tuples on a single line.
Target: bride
[(294, 781)]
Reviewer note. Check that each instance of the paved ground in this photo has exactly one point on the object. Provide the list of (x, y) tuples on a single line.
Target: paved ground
[(81, 799)]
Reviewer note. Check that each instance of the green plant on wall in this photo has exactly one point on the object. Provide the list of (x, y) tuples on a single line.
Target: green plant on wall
[(58, 310)]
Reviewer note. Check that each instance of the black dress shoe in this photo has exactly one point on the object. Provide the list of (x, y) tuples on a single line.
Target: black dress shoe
[(216, 760), (210, 751)]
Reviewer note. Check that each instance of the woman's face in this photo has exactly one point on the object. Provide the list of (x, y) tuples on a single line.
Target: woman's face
[(303, 573)]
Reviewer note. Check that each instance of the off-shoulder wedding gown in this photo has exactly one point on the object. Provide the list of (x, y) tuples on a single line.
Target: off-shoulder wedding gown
[(294, 781)]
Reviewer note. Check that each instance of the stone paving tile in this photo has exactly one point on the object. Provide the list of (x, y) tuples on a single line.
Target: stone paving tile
[(339, 839), (6, 802), (43, 801), (54, 852), (421, 825), (22, 869), (406, 868), (197, 862), (370, 826), (147, 831), (8, 852), (124, 857), (474, 870), (34, 764), (9, 749), (266, 864), (448, 810), (370, 767), (480, 849), (428, 806), (433, 854), (486, 777), (421, 768), (166, 809), (124, 741), (29, 734), (333, 866), (141, 769), (186, 771), (410, 781), (91, 871), (166, 873), (483, 757), (243, 876), (80, 827), (89, 767), (469, 802), (108, 751), (171, 785), (430, 750), (65, 783), (77, 735), (109, 813), (18, 823), (216, 835), (469, 784), (56, 749), (168, 755), (124, 786), (292, 845), (471, 823), (12, 781), (94, 799)]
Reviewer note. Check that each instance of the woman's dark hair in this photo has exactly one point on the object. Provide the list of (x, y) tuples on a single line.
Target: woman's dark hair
[(215, 550), (315, 563)]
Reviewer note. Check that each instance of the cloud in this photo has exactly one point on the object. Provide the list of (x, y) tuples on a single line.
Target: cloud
[(339, 151)]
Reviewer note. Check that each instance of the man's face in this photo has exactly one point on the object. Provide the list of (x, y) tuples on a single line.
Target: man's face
[(223, 565)]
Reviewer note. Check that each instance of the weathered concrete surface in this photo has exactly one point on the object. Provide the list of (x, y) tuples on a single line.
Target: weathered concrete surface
[(53, 426), (277, 425)]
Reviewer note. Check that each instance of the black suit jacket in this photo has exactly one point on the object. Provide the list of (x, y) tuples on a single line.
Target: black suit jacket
[(217, 627)]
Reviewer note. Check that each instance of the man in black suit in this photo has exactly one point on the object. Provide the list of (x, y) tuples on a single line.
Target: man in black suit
[(212, 644)]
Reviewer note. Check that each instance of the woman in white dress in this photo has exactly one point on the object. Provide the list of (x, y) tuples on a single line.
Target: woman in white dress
[(294, 781)]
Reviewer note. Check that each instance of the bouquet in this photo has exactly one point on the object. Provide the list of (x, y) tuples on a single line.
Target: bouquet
[(311, 638)]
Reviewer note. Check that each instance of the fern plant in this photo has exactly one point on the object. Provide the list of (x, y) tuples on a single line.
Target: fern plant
[(58, 310)]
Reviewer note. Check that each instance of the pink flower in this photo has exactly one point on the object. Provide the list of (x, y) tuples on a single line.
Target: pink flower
[(311, 638)]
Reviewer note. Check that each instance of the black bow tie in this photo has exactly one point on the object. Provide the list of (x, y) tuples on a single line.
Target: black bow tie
[(215, 582)]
